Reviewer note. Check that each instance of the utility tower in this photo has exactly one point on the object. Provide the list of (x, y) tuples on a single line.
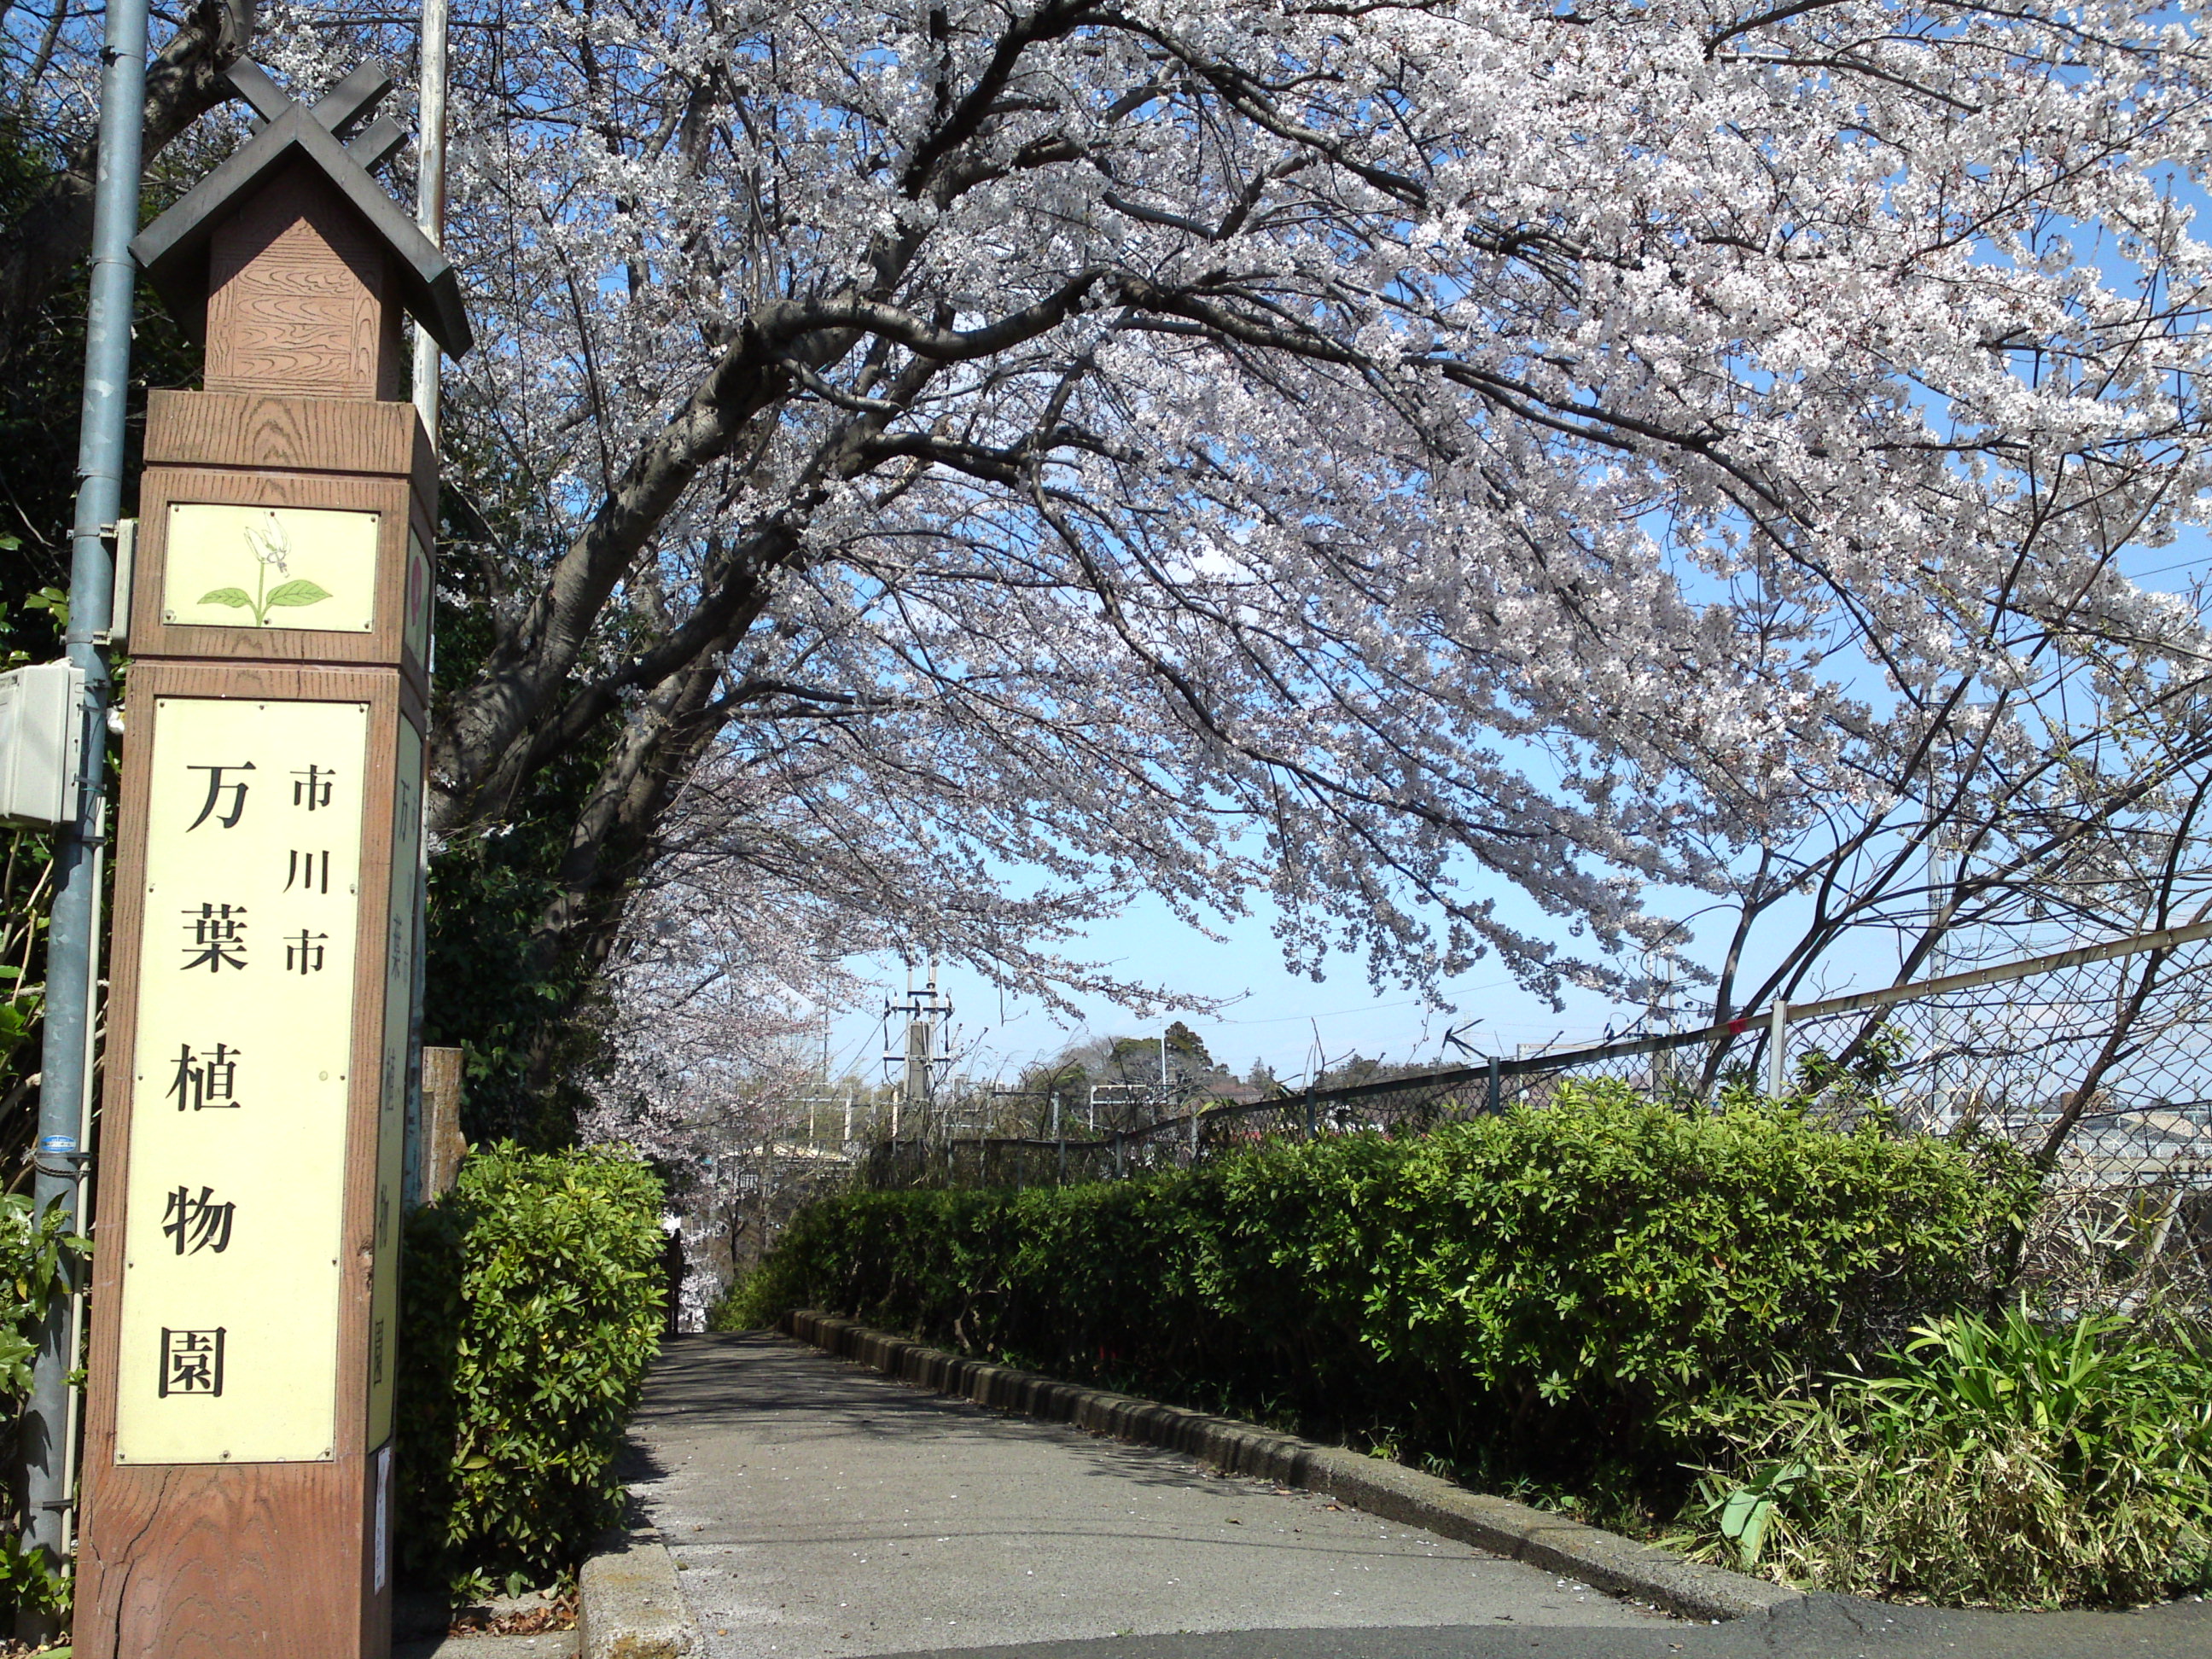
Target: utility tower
[(914, 1047)]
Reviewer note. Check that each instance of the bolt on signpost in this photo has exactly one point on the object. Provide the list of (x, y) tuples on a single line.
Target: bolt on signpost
[(238, 1462)]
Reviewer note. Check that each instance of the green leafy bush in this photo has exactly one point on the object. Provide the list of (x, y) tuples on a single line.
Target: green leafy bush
[(1542, 1297), (31, 1247), (531, 1306), (2007, 1462)]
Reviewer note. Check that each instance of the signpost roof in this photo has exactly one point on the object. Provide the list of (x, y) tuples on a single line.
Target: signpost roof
[(172, 251)]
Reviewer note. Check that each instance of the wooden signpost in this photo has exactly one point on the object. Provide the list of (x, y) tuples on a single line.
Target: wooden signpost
[(238, 1453)]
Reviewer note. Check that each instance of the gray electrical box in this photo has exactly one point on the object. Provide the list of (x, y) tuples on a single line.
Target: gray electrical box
[(41, 743)]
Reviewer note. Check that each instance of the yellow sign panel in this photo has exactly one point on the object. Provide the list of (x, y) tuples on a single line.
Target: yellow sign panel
[(271, 567), (232, 1256)]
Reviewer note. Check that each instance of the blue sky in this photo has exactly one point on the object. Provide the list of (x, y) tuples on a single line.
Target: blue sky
[(1277, 1017)]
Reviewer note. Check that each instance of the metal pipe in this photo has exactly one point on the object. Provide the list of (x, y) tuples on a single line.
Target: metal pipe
[(1777, 1066), (430, 193), (65, 1059), (74, 1346), (430, 218)]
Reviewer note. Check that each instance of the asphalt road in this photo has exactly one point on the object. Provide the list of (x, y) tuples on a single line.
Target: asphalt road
[(816, 1510)]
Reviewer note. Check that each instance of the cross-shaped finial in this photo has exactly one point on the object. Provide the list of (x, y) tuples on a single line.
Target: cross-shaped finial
[(337, 137), (341, 111)]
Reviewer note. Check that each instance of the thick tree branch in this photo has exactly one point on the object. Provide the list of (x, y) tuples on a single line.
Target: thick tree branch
[(54, 232)]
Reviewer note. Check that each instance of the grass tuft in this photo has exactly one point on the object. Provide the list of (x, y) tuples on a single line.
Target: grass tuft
[(2006, 1462)]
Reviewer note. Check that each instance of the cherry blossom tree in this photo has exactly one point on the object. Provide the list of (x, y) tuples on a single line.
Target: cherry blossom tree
[(1368, 455), (961, 462), (714, 1064)]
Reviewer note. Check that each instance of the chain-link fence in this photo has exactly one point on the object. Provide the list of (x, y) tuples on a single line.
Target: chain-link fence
[(2097, 1060)]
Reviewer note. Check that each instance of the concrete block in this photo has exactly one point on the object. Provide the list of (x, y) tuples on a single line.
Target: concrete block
[(629, 1605)]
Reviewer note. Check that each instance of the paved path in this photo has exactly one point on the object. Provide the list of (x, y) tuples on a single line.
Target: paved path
[(561, 1645), (819, 1510), (816, 1510), (1821, 1627)]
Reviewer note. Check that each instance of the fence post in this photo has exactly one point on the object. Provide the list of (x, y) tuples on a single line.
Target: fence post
[(442, 1147), (1118, 1139), (1193, 1134), (1493, 1085), (1059, 1137), (1778, 1068)]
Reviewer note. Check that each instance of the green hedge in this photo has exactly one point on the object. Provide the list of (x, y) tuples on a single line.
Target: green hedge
[(532, 1297), (1540, 1298)]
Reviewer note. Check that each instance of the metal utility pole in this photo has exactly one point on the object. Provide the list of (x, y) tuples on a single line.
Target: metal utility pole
[(72, 937), (428, 361)]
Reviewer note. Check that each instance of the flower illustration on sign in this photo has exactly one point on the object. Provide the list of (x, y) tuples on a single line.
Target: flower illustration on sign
[(269, 546)]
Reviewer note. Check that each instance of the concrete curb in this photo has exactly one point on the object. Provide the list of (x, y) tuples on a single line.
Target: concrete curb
[(628, 1605), (1603, 1559)]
